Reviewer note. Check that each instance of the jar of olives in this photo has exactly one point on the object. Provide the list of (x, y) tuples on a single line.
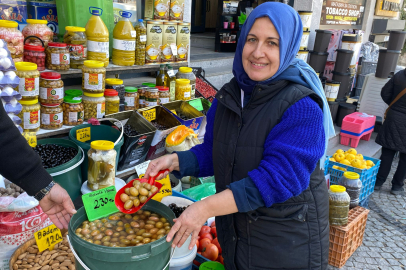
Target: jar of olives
[(30, 115), (112, 101), (131, 100), (102, 165), (182, 89), (76, 39), (73, 112), (151, 97), (51, 116), (51, 88), (93, 76), (94, 105), (164, 94), (141, 41), (28, 86), (142, 90), (339, 205), (118, 85), (57, 56)]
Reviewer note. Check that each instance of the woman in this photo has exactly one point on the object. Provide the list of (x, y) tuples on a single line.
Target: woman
[(264, 138), (392, 134)]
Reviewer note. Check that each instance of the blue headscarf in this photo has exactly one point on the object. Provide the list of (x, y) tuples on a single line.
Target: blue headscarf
[(289, 26)]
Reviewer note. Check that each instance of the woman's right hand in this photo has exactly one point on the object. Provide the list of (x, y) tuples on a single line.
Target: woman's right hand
[(170, 162)]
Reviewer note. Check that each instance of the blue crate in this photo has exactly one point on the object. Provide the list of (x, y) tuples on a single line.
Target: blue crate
[(178, 194), (199, 258), (364, 203), (367, 177)]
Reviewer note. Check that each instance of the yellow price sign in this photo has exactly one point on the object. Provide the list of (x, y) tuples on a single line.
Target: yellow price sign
[(31, 138), (48, 238), (150, 115), (83, 134), (174, 112), (166, 189)]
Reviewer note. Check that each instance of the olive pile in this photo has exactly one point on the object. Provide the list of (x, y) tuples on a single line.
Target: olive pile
[(129, 131), (159, 126), (137, 194), (121, 230), (182, 116), (53, 155), (177, 210), (11, 190)]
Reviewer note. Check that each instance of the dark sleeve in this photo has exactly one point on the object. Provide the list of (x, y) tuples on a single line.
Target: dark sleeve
[(188, 165), (387, 91), (18, 162)]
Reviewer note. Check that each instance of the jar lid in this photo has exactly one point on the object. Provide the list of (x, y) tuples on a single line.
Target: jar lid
[(28, 102), (350, 38), (162, 88), (57, 44), (34, 48), (9, 24), (126, 14), (130, 89), (93, 64), (71, 99), (183, 81), (140, 20), (351, 175), (94, 94), (74, 93), (185, 69), (114, 81), (102, 145), (75, 29), (33, 21), (25, 66), (50, 105), (337, 188), (50, 75), (110, 92), (149, 84)]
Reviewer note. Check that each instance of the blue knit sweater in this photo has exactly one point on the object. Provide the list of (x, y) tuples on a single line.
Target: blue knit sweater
[(291, 152)]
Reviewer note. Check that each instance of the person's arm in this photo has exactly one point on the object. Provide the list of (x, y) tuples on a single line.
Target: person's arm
[(387, 91)]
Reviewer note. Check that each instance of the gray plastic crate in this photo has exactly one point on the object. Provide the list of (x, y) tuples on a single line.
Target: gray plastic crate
[(360, 80), (368, 67)]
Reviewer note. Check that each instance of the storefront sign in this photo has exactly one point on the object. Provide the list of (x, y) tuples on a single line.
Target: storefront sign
[(100, 203), (48, 238), (344, 13), (388, 8)]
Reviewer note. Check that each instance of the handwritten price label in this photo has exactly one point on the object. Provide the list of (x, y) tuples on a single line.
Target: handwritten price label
[(83, 134), (197, 104), (174, 112), (31, 138), (100, 203), (48, 238), (166, 189), (150, 115)]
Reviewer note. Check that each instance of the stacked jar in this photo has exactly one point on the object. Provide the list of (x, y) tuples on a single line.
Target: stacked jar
[(118, 85), (73, 112), (57, 56), (163, 94), (112, 101), (187, 73), (131, 99), (93, 86), (151, 97), (183, 89), (51, 96), (14, 38), (76, 40), (142, 89)]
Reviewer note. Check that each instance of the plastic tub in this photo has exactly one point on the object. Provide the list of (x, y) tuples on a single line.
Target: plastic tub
[(322, 40), (178, 183), (318, 61), (183, 262), (396, 40), (344, 109), (386, 63), (333, 105), (344, 78), (343, 60)]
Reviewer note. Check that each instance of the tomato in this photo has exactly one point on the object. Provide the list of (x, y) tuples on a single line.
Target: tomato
[(210, 252), (220, 259), (197, 244), (203, 243), (214, 231), (207, 235), (213, 224), (217, 244), (204, 229)]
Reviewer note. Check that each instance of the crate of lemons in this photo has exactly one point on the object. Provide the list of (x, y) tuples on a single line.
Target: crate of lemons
[(351, 158)]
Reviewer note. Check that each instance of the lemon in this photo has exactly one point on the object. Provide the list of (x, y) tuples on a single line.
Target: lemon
[(370, 163), (356, 163), (340, 151), (345, 162), (350, 157), (368, 167), (339, 168), (333, 160), (352, 151), (339, 157), (359, 156)]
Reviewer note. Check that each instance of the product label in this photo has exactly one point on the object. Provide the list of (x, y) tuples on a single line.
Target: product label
[(143, 38), (172, 89), (75, 116), (163, 100), (171, 73), (174, 49), (151, 102), (187, 94), (28, 87), (100, 47), (331, 91), (93, 81), (83, 134), (60, 58), (124, 45), (76, 51), (133, 34), (129, 101), (31, 120), (100, 203), (85, 53), (49, 119), (193, 90), (48, 237), (101, 110), (142, 101), (51, 93), (197, 104), (150, 115)]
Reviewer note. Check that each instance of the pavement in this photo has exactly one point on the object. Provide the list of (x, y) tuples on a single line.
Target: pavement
[(384, 243)]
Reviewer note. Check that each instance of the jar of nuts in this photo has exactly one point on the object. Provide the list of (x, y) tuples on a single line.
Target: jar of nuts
[(131, 101), (30, 115), (142, 89), (51, 116), (183, 89), (94, 105), (151, 97), (73, 113), (112, 101), (76, 39), (28, 86), (51, 88), (118, 85), (57, 56), (163, 94), (93, 76), (36, 55)]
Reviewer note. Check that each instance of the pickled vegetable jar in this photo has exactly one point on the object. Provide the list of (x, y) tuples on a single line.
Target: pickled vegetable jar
[(183, 89), (51, 116), (28, 86), (36, 55), (39, 29), (73, 112), (51, 88), (30, 115), (151, 97), (14, 38), (112, 101), (94, 105), (141, 42), (93, 76), (339, 205), (118, 85), (97, 37), (101, 170), (57, 56), (131, 100), (163, 94), (76, 40), (187, 73), (124, 41), (353, 186)]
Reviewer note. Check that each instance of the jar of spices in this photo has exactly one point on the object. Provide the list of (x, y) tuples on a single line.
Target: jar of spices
[(76, 39), (57, 56), (183, 88), (73, 112), (353, 186), (93, 76), (51, 116), (30, 115), (142, 90), (187, 73), (151, 97), (131, 100), (163, 94), (112, 101), (339, 205), (51, 88), (28, 86), (94, 105), (102, 165), (36, 55), (118, 85)]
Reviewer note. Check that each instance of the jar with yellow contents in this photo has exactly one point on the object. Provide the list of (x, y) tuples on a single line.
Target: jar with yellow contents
[(93, 76), (112, 101), (94, 105), (30, 115), (183, 89), (28, 86)]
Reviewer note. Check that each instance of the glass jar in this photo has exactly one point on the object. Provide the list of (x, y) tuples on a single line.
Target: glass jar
[(142, 90), (38, 28), (131, 100), (339, 205), (183, 88), (36, 55), (51, 88), (187, 73), (353, 186), (28, 86), (74, 93), (118, 85), (93, 76), (101, 170), (57, 56), (151, 97), (141, 41), (112, 101), (76, 40), (164, 94), (73, 112), (30, 115), (51, 116), (14, 38), (94, 105)]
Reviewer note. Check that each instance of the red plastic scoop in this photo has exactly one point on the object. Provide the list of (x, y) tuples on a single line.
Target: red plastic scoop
[(151, 181)]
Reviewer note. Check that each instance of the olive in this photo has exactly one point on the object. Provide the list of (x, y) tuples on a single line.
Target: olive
[(140, 212), (127, 225), (78, 230), (149, 194), (136, 217), (139, 238), (104, 220), (93, 228), (123, 233), (114, 217), (143, 191), (143, 217), (80, 235), (149, 226), (97, 242), (153, 240), (154, 189), (143, 199), (125, 241), (163, 220), (99, 225), (134, 191), (106, 238), (119, 229), (147, 186), (140, 232), (122, 237), (167, 227), (159, 225), (95, 232), (139, 244), (154, 236), (109, 225), (153, 230), (85, 231), (136, 182), (128, 204), (116, 234), (132, 197), (147, 213), (167, 224), (146, 235), (114, 245), (161, 231), (131, 237), (137, 186), (136, 202), (85, 222), (120, 223), (146, 240), (106, 243), (124, 197), (130, 231), (89, 240), (135, 241), (92, 224), (151, 222), (127, 191), (153, 218), (103, 229), (114, 239), (142, 224), (128, 216), (134, 224), (85, 226)]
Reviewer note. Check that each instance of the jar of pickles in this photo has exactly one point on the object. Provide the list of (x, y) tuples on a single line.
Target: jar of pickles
[(93, 76), (36, 55), (28, 86), (51, 116), (51, 88), (57, 56), (182, 89), (76, 40), (118, 85), (73, 112), (353, 186), (131, 100), (38, 28), (112, 101), (187, 73), (30, 115), (151, 97), (339, 205), (14, 38), (94, 105), (164, 94)]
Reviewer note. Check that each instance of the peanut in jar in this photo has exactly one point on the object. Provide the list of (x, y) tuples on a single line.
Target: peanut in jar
[(112, 101), (51, 116), (51, 88), (131, 100), (28, 86), (30, 115), (73, 111)]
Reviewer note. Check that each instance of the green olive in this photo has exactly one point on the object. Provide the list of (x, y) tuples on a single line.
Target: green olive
[(142, 224), (161, 231), (143, 191), (124, 197), (85, 231), (149, 226), (135, 224), (125, 241), (95, 232), (143, 199), (146, 240), (116, 234), (130, 231), (98, 237), (146, 235), (167, 227), (106, 243), (109, 225), (97, 242), (128, 217), (106, 238), (136, 217), (131, 237), (151, 222), (163, 220), (159, 225), (136, 202), (153, 218), (140, 232), (78, 230), (154, 189), (147, 186), (139, 238), (114, 239), (120, 223), (134, 191), (135, 241), (136, 182), (153, 230), (127, 191), (128, 204), (119, 229), (93, 228)]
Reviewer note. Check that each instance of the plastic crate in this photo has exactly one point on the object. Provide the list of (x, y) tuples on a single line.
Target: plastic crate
[(344, 240), (199, 258), (368, 67), (201, 83), (367, 177), (365, 202)]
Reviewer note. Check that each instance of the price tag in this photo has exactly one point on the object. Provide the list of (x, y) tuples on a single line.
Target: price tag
[(48, 238), (143, 38), (142, 168), (83, 134), (166, 189), (171, 73), (150, 114), (31, 138), (133, 33), (100, 203), (174, 112), (197, 104), (174, 49)]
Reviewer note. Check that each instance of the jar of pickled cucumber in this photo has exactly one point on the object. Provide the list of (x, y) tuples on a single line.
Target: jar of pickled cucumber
[(28, 86), (182, 89), (94, 105), (118, 85), (101, 170), (151, 97), (51, 116), (51, 88), (73, 112), (131, 100), (93, 76), (30, 115), (339, 205), (163, 94), (112, 101), (142, 89), (76, 40), (57, 56)]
